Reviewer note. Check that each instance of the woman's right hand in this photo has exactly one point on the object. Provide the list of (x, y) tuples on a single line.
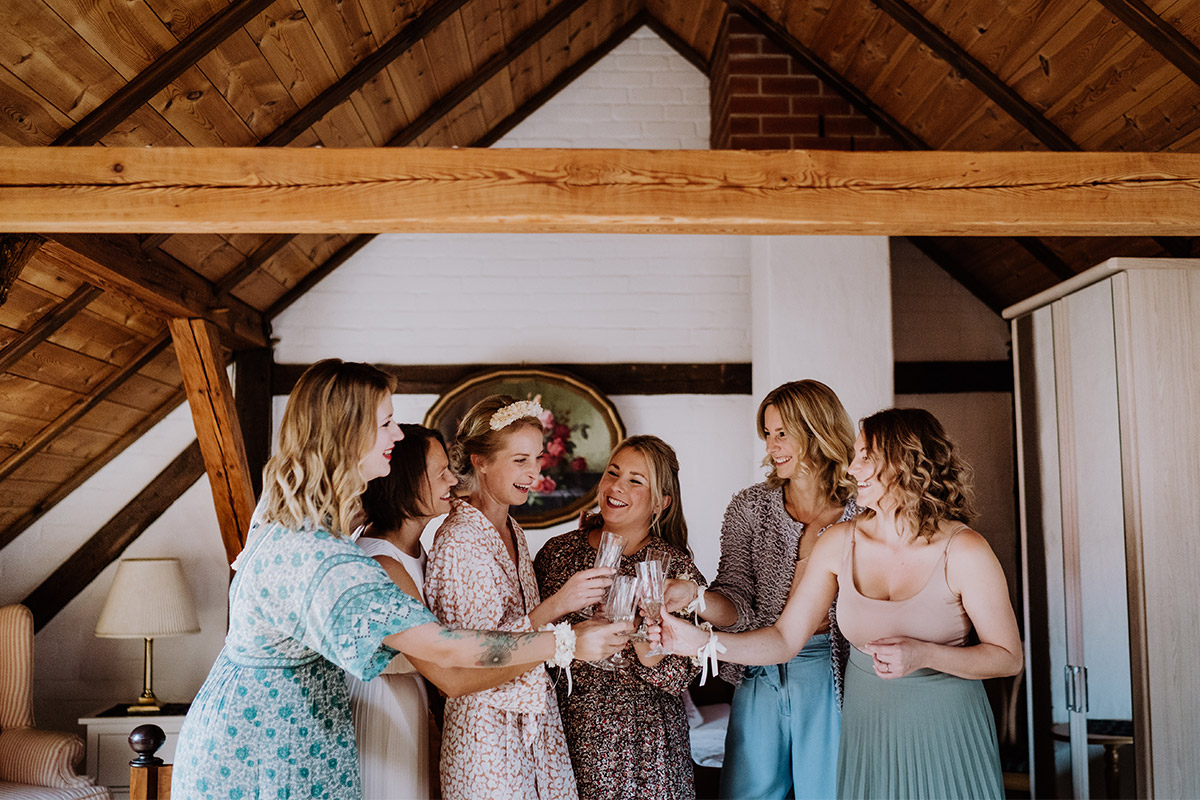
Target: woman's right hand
[(679, 593), (680, 637), (599, 639), (584, 588)]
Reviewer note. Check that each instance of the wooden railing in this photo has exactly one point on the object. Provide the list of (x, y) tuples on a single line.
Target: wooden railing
[(149, 777)]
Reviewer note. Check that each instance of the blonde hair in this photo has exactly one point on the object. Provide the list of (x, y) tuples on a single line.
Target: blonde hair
[(918, 463), (327, 428), (475, 437), (814, 417), (663, 467)]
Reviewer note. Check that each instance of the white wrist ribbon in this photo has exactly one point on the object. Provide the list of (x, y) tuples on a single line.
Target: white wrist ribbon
[(706, 656), (564, 649), (698, 605)]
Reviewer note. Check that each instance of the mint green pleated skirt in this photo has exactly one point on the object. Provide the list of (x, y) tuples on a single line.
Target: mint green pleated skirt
[(926, 735)]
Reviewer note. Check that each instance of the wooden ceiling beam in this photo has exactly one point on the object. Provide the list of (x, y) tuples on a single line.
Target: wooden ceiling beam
[(1159, 34), (680, 45), (163, 285), (80, 407), (159, 75), (45, 327), (980, 76), (338, 92), (489, 69), (108, 543), (202, 362), (90, 468), (15, 252), (336, 190)]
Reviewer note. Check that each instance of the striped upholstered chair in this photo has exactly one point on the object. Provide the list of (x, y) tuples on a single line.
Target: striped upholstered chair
[(34, 765)]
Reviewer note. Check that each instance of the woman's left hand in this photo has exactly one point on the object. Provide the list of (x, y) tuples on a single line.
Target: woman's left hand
[(896, 656)]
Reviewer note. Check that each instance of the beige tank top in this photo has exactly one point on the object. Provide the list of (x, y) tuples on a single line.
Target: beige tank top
[(934, 614)]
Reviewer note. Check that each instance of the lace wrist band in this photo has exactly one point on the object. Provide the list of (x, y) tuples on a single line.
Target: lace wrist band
[(564, 649)]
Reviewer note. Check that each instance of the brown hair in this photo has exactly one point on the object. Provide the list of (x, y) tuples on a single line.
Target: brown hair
[(918, 462), (663, 466), (328, 426), (475, 437), (814, 417), (395, 497)]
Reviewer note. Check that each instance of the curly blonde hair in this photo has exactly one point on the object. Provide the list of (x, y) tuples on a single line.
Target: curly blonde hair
[(918, 463), (663, 466), (327, 428), (475, 437), (814, 417)]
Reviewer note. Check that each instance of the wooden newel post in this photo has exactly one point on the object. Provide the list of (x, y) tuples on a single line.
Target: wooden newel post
[(149, 777)]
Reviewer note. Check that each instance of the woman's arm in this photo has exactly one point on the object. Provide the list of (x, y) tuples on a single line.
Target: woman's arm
[(451, 681), (806, 608), (462, 648), (730, 600), (973, 571), (581, 590)]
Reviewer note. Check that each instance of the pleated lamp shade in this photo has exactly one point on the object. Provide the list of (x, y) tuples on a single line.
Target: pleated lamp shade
[(149, 598)]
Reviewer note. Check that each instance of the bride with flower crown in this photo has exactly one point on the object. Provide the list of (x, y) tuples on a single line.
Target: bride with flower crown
[(508, 741)]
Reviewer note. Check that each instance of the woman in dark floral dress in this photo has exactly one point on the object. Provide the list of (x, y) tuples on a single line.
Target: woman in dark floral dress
[(627, 729)]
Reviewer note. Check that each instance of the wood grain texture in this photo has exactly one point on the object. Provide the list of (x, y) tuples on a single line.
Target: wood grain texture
[(210, 396), (748, 192)]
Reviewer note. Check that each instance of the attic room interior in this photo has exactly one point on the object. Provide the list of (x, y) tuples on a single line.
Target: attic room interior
[(682, 204)]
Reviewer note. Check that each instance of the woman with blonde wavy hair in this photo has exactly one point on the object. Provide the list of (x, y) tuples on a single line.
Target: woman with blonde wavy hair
[(273, 717), (912, 582), (784, 724)]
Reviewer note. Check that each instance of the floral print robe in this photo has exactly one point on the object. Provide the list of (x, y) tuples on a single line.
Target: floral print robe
[(505, 742)]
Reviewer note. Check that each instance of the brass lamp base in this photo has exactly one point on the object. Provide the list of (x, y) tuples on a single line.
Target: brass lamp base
[(147, 703)]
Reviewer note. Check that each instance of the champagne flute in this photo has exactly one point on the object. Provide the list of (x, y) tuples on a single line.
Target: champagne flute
[(652, 580), (608, 554), (621, 607)]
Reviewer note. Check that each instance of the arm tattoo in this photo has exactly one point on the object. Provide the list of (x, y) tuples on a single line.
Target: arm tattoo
[(496, 648)]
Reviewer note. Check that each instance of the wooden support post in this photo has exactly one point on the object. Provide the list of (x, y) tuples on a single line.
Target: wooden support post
[(15, 252), (252, 397), (149, 777), (198, 348)]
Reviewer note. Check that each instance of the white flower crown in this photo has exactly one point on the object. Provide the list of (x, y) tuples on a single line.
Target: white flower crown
[(515, 411)]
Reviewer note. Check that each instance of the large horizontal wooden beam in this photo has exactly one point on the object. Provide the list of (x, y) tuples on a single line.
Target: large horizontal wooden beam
[(378, 190)]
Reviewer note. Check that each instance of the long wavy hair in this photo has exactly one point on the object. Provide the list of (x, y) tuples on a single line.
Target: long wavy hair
[(918, 463), (475, 437), (327, 428), (816, 420), (398, 496), (663, 465)]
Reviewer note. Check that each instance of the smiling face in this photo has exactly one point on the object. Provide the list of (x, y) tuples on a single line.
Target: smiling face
[(783, 449), (439, 479), (624, 493), (513, 467), (865, 469), (377, 462)]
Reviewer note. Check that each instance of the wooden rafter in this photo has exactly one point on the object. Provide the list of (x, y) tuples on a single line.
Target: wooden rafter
[(90, 468), (15, 252), (107, 544), (1159, 34), (252, 373), (680, 45), (935, 253), (341, 256), (210, 397), (1039, 250), (338, 92), (336, 190), (45, 327), (163, 285), (80, 407)]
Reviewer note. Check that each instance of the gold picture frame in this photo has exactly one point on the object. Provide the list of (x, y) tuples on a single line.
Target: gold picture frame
[(582, 430)]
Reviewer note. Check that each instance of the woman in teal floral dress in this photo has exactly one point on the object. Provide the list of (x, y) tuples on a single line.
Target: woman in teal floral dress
[(273, 718)]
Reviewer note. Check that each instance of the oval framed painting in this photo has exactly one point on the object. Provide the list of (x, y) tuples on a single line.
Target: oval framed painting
[(580, 428)]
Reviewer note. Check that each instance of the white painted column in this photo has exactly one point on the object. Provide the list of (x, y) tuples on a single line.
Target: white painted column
[(822, 308)]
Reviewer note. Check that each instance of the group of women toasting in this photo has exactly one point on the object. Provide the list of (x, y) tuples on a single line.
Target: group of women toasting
[(849, 582)]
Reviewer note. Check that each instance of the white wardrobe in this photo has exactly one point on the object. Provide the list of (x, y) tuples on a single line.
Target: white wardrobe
[(1108, 447)]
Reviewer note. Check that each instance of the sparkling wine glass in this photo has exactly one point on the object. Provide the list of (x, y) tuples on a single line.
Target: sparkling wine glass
[(621, 606), (652, 581), (608, 554)]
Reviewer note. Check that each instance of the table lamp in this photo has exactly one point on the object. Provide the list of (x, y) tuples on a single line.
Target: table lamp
[(149, 599)]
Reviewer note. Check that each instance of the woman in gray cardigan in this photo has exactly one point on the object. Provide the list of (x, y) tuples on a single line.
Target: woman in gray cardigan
[(784, 724)]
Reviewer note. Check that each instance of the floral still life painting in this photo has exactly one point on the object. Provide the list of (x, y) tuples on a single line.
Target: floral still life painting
[(580, 426)]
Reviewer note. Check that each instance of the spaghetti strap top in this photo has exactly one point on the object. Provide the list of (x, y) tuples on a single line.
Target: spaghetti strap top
[(933, 614)]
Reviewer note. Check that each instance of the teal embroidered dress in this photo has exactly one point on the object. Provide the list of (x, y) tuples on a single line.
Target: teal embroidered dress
[(272, 719)]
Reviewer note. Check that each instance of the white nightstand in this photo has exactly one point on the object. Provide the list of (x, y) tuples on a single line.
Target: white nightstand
[(108, 751)]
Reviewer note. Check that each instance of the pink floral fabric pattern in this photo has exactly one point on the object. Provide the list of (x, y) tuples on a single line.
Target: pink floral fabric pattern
[(506, 742)]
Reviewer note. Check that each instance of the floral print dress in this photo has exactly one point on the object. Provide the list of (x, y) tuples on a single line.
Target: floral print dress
[(627, 729), (272, 719), (505, 742)]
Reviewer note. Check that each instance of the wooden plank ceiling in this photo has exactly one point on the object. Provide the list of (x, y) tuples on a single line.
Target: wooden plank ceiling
[(86, 364)]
